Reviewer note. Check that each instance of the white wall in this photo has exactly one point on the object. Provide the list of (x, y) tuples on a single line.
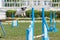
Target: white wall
[(2, 15), (0, 3)]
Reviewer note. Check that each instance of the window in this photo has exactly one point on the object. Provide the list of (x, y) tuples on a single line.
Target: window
[(12, 3), (37, 2), (45, 3), (5, 4), (27, 3), (34, 2), (15, 3), (5, 0), (8, 0), (55, 3)]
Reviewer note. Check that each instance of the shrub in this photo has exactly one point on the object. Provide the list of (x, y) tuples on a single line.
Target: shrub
[(58, 14), (28, 13), (10, 12), (39, 13), (36, 12)]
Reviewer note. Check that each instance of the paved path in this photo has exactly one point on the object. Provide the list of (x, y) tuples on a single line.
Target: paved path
[(30, 21), (9, 22)]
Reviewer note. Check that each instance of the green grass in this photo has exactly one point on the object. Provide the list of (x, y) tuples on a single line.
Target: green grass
[(19, 33)]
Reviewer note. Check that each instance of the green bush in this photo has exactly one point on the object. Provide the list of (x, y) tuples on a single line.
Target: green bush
[(36, 12), (58, 14), (28, 13), (10, 12), (47, 13), (39, 13)]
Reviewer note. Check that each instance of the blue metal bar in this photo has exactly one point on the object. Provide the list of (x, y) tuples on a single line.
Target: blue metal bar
[(32, 13), (31, 28), (12, 15), (27, 34), (13, 21), (17, 23), (42, 23), (46, 24), (50, 18), (33, 23), (2, 28), (54, 15), (44, 27), (51, 25), (55, 29)]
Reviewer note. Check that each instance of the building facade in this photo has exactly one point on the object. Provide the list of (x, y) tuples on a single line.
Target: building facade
[(38, 4)]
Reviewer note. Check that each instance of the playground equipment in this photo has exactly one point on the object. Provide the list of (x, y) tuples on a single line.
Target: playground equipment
[(30, 30), (14, 22), (2, 17), (18, 13), (2, 28), (53, 22), (45, 27)]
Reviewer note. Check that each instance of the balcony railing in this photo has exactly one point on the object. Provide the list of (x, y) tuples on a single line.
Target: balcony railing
[(28, 3)]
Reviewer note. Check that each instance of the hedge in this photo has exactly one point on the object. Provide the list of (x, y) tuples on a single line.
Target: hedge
[(36, 12), (58, 14), (10, 12), (39, 13)]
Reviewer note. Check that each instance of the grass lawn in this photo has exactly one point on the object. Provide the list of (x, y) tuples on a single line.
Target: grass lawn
[(19, 33)]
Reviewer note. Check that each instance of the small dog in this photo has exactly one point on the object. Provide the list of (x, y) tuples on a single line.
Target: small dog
[(21, 12)]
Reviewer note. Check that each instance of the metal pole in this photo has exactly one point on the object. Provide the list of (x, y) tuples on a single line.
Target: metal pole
[(2, 28), (42, 23), (44, 27)]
